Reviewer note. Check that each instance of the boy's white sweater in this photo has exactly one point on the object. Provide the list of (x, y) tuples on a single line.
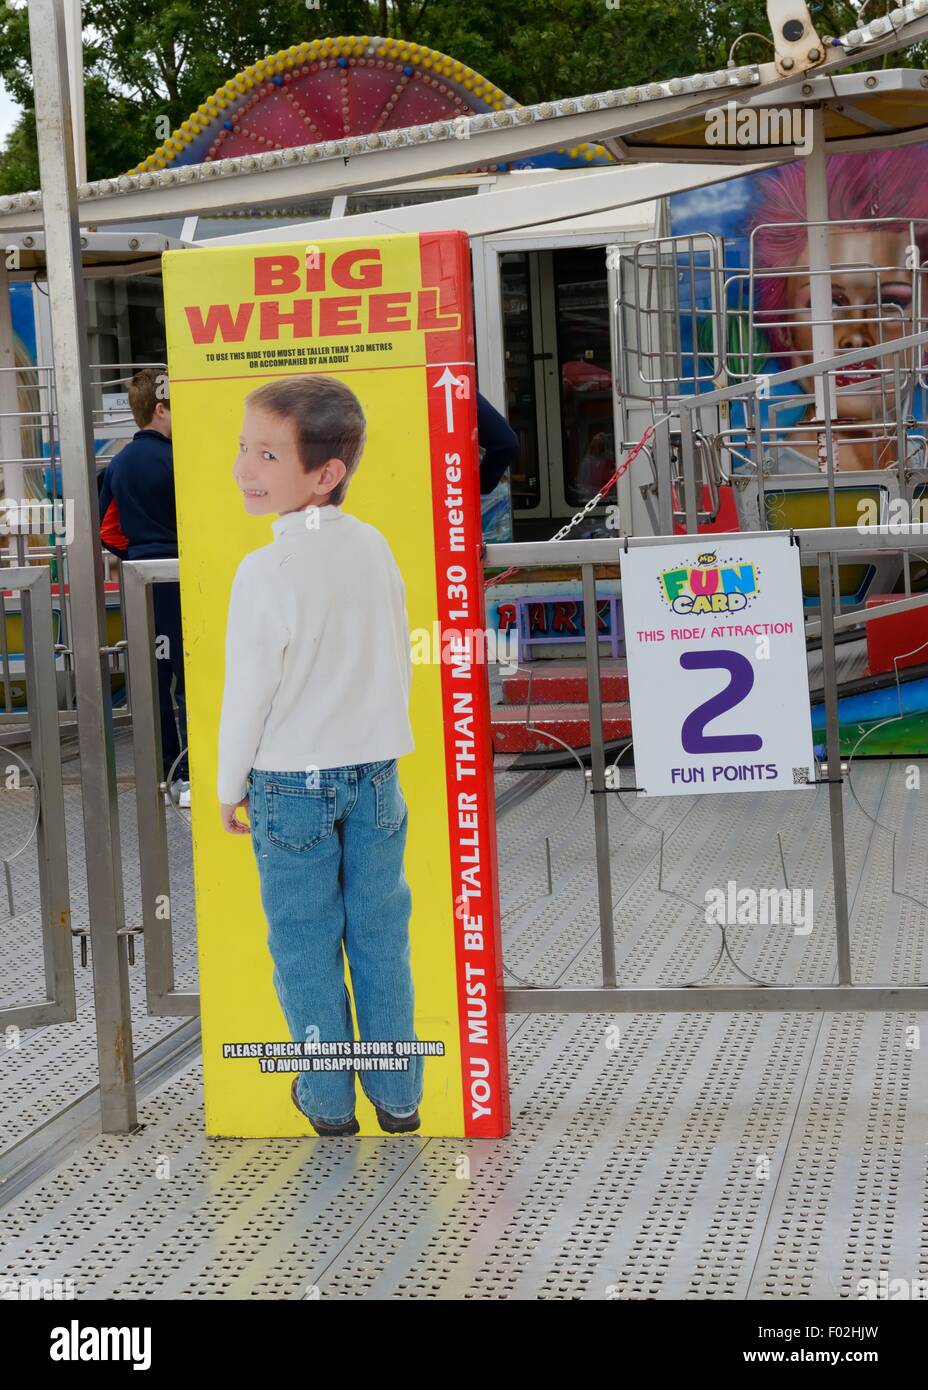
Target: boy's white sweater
[(317, 652)]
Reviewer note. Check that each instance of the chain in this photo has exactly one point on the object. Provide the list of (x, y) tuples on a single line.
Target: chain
[(594, 501)]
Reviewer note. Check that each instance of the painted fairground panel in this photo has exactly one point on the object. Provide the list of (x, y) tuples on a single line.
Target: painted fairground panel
[(878, 237), (344, 837)]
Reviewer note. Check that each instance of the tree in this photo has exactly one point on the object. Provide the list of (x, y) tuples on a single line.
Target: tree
[(151, 59)]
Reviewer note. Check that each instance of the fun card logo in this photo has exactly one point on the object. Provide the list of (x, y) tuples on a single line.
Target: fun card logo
[(710, 586)]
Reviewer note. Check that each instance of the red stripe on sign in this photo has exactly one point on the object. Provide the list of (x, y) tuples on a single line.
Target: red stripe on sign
[(449, 321), (452, 408)]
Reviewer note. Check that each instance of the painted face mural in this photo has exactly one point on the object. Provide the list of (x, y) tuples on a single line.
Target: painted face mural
[(879, 205)]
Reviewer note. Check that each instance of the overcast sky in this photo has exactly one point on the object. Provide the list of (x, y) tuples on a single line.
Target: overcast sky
[(9, 113)]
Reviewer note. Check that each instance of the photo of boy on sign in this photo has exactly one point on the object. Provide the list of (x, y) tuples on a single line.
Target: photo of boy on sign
[(314, 717)]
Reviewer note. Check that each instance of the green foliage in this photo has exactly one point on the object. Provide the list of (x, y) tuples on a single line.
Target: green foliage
[(146, 59)]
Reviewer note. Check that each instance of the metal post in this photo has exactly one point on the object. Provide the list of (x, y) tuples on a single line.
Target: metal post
[(906, 488), (832, 462), (74, 42), (11, 448), (95, 714), (820, 262), (664, 471), (51, 838), (59, 1005), (138, 578), (688, 460), (826, 574), (598, 767)]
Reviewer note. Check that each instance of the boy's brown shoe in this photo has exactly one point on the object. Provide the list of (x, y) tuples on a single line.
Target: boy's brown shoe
[(324, 1130), (393, 1124)]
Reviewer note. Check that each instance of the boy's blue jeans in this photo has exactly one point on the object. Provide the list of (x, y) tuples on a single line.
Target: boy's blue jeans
[(330, 861)]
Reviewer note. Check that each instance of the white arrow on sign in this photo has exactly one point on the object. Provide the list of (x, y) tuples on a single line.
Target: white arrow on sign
[(449, 380)]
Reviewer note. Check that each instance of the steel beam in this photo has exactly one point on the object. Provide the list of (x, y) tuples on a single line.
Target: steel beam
[(367, 170), (154, 864), (819, 237), (842, 540), (517, 202), (826, 589), (720, 999), (598, 783), (844, 622), (85, 568), (891, 347)]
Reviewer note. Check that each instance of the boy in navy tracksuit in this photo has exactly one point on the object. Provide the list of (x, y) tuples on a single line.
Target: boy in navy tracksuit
[(138, 522)]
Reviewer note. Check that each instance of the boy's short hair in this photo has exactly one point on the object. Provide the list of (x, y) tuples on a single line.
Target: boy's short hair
[(148, 388), (328, 419)]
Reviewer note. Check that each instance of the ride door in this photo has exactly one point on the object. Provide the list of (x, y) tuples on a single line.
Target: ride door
[(558, 369)]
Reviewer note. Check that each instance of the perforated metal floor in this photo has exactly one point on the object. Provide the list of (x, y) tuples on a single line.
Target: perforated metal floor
[(744, 1156), (53, 1066)]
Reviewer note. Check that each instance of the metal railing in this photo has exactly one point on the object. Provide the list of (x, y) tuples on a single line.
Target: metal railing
[(818, 546), (696, 335), (823, 546), (59, 1005), (138, 578), (36, 460)]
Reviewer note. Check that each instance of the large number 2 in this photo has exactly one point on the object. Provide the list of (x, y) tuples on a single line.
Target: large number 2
[(741, 681)]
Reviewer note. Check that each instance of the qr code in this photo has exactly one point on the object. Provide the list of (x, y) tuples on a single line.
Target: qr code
[(801, 777)]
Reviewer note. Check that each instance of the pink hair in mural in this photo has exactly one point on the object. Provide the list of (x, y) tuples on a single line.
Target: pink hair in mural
[(886, 184)]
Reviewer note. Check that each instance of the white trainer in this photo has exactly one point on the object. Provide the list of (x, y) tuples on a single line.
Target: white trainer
[(179, 793)]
